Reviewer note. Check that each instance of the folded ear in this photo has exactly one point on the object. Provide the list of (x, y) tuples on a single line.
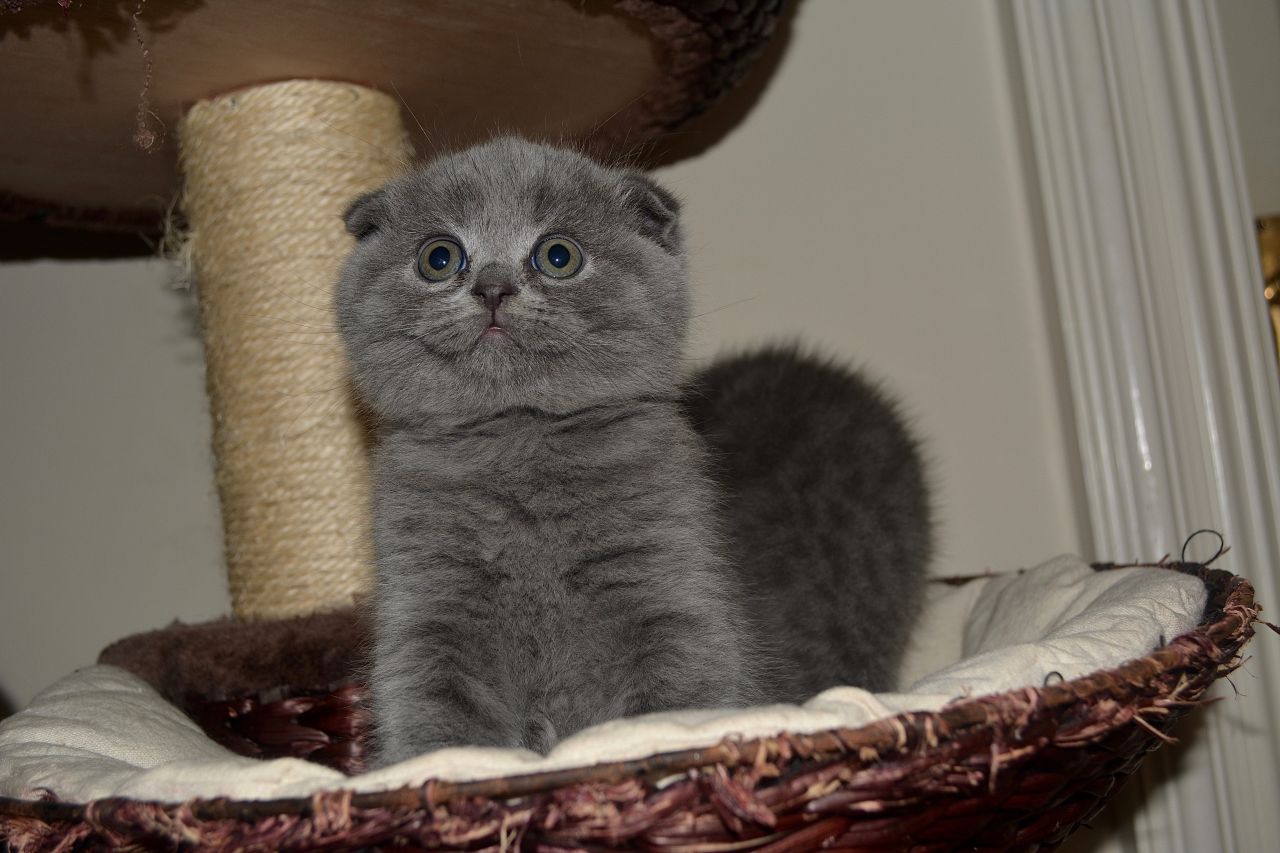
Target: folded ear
[(367, 214), (656, 210)]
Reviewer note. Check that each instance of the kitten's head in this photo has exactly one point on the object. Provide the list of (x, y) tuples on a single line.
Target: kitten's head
[(513, 274)]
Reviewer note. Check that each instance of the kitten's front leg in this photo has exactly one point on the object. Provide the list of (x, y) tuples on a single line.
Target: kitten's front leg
[(694, 662), (428, 695)]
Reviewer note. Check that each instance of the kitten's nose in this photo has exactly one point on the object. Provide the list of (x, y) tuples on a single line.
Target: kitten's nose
[(491, 286)]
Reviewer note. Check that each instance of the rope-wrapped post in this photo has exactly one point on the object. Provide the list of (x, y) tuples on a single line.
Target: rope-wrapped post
[(269, 171)]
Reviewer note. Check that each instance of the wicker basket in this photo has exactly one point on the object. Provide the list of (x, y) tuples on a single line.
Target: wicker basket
[(1016, 771)]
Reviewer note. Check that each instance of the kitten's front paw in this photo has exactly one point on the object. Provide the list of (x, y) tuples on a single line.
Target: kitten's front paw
[(386, 754)]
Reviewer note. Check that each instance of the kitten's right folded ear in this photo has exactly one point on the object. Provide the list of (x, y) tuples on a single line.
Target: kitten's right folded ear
[(367, 214), (657, 210)]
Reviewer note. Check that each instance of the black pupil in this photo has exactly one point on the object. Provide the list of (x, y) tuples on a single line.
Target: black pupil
[(439, 257), (558, 255)]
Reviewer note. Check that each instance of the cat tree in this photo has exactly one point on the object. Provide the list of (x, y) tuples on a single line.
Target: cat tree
[(278, 115), (268, 167)]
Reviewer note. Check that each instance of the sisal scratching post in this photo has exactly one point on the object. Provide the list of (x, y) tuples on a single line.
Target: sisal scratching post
[(269, 171)]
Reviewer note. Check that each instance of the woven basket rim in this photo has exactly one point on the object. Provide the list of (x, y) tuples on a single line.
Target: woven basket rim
[(1229, 613)]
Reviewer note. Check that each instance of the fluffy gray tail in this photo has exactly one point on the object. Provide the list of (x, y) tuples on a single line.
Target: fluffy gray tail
[(826, 511)]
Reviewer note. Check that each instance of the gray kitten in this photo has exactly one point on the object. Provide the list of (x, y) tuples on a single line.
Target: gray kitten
[(547, 559), (547, 556)]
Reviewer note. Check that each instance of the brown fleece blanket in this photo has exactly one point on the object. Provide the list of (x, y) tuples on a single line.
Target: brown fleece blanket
[(225, 658)]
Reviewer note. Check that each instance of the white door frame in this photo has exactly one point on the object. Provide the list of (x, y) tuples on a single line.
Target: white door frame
[(1172, 376)]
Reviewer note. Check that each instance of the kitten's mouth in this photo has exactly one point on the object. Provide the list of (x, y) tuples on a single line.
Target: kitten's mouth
[(495, 328)]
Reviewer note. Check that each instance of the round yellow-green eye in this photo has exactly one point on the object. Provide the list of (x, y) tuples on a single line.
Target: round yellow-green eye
[(558, 257), (441, 258)]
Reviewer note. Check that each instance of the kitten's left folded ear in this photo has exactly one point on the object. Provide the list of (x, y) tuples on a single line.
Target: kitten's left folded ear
[(366, 214), (657, 210)]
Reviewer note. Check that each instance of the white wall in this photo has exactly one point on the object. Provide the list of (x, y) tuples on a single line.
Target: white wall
[(874, 203), (108, 518), (1251, 41)]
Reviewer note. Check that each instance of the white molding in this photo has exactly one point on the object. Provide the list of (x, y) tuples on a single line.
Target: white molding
[(1172, 379)]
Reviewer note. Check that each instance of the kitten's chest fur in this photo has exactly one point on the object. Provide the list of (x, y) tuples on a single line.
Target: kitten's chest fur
[(524, 499), (563, 562)]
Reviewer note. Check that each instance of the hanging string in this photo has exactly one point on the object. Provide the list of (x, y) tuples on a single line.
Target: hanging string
[(148, 130), (1222, 545)]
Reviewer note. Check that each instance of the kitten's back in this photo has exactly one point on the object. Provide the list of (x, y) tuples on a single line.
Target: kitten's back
[(826, 512)]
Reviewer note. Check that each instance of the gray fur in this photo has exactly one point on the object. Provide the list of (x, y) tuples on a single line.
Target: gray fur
[(546, 551), (827, 515)]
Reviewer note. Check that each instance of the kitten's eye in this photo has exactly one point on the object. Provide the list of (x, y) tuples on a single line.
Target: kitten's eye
[(441, 258), (558, 257)]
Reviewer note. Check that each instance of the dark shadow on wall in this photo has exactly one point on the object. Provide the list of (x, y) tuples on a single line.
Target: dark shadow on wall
[(1115, 824), (28, 241), (7, 708)]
